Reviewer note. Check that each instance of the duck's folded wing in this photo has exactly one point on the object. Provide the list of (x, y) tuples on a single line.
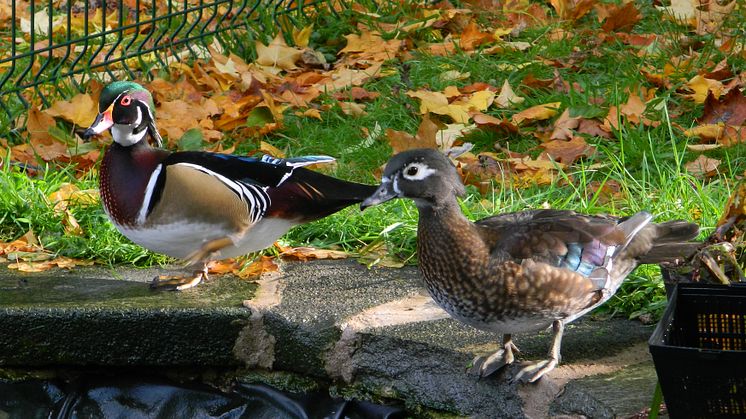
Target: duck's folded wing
[(278, 187), (262, 171), (562, 239)]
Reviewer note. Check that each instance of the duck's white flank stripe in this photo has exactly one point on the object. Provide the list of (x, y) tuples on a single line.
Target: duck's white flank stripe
[(255, 197), (143, 213)]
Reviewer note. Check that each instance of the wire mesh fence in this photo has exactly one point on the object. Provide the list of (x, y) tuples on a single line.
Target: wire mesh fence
[(49, 47)]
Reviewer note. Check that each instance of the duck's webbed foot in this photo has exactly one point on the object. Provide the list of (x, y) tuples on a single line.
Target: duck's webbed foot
[(532, 372), (178, 282), (487, 365)]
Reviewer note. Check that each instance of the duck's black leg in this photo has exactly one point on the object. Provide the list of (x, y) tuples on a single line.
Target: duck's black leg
[(532, 372), (487, 365)]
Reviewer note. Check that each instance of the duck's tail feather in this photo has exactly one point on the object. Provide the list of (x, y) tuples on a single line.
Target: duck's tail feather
[(672, 242), (312, 195), (669, 241), (633, 225)]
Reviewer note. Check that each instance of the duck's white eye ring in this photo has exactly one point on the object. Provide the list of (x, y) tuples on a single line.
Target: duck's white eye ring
[(417, 171)]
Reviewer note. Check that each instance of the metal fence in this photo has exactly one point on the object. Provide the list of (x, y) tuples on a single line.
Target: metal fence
[(51, 47)]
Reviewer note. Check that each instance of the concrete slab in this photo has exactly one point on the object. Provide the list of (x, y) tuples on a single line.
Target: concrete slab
[(91, 317), (359, 332)]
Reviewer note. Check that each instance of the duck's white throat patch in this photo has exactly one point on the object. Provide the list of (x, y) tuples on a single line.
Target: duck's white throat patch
[(417, 171), (125, 135)]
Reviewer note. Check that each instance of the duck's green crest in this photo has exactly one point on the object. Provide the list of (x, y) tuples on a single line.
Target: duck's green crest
[(114, 89)]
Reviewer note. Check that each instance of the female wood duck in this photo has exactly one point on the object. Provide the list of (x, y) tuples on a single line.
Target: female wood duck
[(201, 206), (522, 271)]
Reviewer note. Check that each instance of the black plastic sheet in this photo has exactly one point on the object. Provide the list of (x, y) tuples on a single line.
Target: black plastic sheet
[(132, 397)]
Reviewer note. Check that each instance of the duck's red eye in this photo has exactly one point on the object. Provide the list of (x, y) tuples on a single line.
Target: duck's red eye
[(125, 101)]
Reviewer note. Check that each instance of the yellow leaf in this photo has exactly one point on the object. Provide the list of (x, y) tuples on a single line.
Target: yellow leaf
[(70, 193), (228, 68), (60, 262), (500, 32), (312, 113), (353, 109), (376, 254), (703, 147), (23, 244), (302, 36), (366, 41), (274, 108), (264, 264), (59, 197), (342, 78), (452, 75), (273, 151), (706, 131), (505, 67), (536, 113), (277, 54), (448, 136), (432, 17), (451, 91), (81, 110), (702, 86), (481, 100), (437, 103), (308, 253), (507, 96)]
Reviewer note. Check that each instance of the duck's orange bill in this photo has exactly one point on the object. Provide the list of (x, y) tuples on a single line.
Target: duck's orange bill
[(102, 122)]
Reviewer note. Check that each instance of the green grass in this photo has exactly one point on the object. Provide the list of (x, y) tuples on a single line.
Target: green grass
[(646, 161), (25, 205)]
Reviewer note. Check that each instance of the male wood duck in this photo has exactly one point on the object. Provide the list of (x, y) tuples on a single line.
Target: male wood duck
[(202, 206), (523, 271)]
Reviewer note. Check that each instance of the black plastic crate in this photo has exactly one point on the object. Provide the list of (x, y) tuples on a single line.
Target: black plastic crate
[(699, 351)]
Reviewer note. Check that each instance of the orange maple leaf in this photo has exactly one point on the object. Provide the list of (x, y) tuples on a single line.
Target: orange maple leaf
[(472, 37), (567, 152), (536, 113), (425, 137)]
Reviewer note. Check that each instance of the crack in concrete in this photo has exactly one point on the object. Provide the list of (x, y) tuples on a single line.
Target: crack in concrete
[(418, 308), (255, 346), (338, 362)]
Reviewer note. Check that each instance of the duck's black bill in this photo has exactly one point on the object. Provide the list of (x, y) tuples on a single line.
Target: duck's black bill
[(384, 193)]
